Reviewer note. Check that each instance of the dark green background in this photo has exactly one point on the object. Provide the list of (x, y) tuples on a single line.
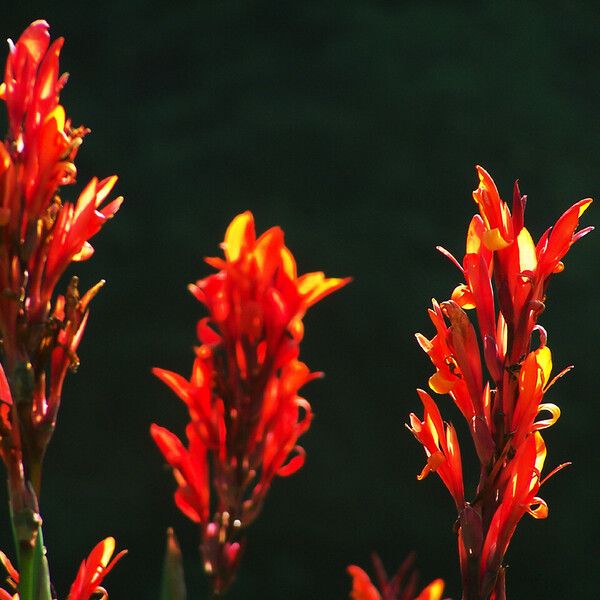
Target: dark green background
[(354, 125)]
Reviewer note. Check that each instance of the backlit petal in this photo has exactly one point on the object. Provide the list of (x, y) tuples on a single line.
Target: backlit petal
[(239, 235)]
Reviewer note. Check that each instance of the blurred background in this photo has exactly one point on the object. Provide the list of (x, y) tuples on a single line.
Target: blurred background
[(355, 125)]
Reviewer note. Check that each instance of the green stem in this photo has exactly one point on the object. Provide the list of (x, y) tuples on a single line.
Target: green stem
[(43, 574), (34, 580), (26, 572)]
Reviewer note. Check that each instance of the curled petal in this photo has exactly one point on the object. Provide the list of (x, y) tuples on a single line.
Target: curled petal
[(294, 464), (538, 509), (544, 423), (439, 384), (464, 297), (434, 461)]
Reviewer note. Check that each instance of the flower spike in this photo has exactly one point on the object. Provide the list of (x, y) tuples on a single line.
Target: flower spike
[(42, 234), (243, 396), (491, 368)]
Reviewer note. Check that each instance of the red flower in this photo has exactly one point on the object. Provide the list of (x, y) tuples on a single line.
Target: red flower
[(402, 586), (190, 469), (243, 395), (496, 377)]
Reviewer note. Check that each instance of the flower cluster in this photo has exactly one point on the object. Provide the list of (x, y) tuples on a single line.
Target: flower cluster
[(506, 278), (40, 235), (402, 586), (245, 411)]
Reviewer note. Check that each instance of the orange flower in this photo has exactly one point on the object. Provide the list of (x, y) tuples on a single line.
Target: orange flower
[(257, 291), (441, 446), (246, 414), (401, 587), (89, 577), (94, 569), (506, 276), (524, 480)]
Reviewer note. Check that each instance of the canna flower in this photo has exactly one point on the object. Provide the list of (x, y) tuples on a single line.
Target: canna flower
[(441, 446), (89, 577), (243, 396), (42, 234), (524, 481), (94, 569), (496, 367), (190, 469), (402, 586)]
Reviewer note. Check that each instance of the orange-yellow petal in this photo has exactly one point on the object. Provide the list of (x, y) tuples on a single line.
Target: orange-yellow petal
[(433, 591), (538, 509), (433, 463), (288, 263), (315, 286), (543, 357), (493, 240), (239, 235), (554, 416), (463, 296), (440, 385), (527, 255)]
